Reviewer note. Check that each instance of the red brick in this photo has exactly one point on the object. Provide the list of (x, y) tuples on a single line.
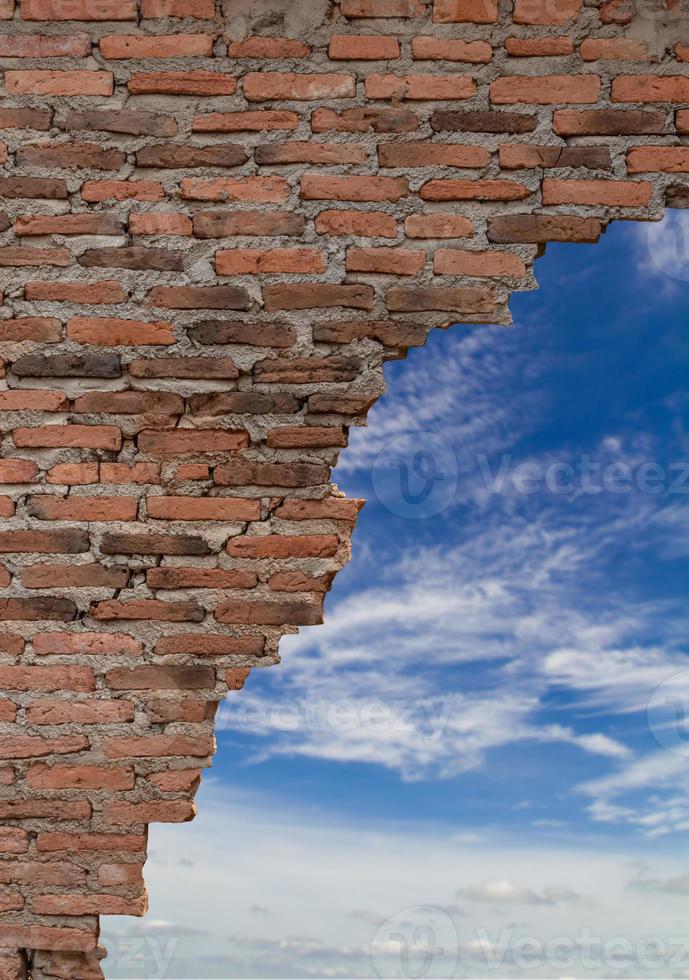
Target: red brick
[(157, 746), (607, 122), (41, 776), (32, 400), (612, 49), (78, 9), (465, 11), (48, 81), (458, 262), (437, 226), (390, 261), (18, 471), (111, 332), (365, 224), (365, 119), (45, 711), (70, 156), (71, 541), (48, 842), (612, 193), (474, 190), (184, 367), (160, 223), (254, 261), (122, 190), (97, 644), (148, 609), (46, 937), (19, 256), (47, 678), (658, 159), (30, 746), (357, 47), (405, 155), (192, 441), (97, 293), (267, 47), (73, 474), (439, 49), (113, 46), (317, 296), (286, 86), (201, 9), (260, 189), (136, 473), (199, 578), (546, 12), (268, 613), (67, 224), (79, 436), (299, 582), (210, 645), (256, 121), (74, 576), (88, 905), (451, 299), (545, 89), (121, 874), (130, 403), (275, 154), (164, 811), (650, 88), (282, 546), (208, 83), (538, 47), (48, 507), (420, 87), (316, 187), (177, 781), (539, 228), (13, 840), (76, 45)]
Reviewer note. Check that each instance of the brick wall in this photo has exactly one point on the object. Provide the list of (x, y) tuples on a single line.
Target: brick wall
[(215, 226)]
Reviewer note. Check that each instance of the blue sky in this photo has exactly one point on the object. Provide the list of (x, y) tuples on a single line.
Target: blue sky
[(480, 745)]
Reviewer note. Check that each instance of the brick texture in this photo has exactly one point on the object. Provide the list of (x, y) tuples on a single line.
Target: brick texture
[(211, 241)]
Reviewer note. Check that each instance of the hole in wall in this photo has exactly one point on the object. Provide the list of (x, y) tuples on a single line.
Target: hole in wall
[(279, 18)]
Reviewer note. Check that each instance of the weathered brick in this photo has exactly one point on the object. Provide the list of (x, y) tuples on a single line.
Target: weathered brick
[(114, 332), (261, 120), (41, 776), (46, 937), (160, 678), (465, 11), (452, 299), (250, 472), (71, 156), (269, 613), (48, 81), (45, 711), (88, 905), (437, 226), (650, 88), (199, 578), (318, 188), (76, 45), (49, 507), (184, 367), (459, 262), (317, 296), (242, 402), (206, 83), (264, 190), (68, 366), (32, 400), (390, 261), (371, 47), (67, 542), (433, 87), (284, 86), (68, 474), (330, 508), (474, 190), (516, 156), (16, 118), (78, 10), (136, 473), (189, 157), (388, 332), (614, 49), (255, 261), (278, 154), (114, 46), (66, 644), (306, 370), (93, 191), (47, 678), (68, 224), (201, 9), (209, 644), (20, 256), (63, 436), (199, 298), (98, 293), (133, 122), (282, 546), (48, 842), (382, 8), (546, 12), (426, 48), (153, 544), (160, 223), (607, 122), (221, 224), (18, 471), (155, 746), (153, 609), (130, 403), (46, 330), (539, 228), (432, 155), (539, 47), (545, 89), (133, 257), (366, 224), (365, 119), (31, 746), (612, 193), (192, 441), (482, 121), (74, 576), (267, 47)]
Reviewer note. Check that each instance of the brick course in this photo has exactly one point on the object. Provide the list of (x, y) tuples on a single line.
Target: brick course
[(210, 244)]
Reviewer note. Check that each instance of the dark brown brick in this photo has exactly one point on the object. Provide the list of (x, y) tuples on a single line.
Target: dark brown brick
[(68, 366), (482, 121), (133, 257)]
